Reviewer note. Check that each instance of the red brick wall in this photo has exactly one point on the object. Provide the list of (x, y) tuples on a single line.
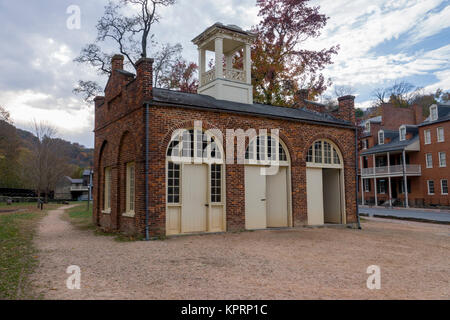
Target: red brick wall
[(436, 173), (394, 117), (120, 126)]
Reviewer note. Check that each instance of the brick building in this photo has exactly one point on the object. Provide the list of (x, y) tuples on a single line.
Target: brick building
[(402, 151), (168, 162)]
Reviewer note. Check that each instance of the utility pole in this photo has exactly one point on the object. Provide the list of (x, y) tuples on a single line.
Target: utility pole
[(90, 189)]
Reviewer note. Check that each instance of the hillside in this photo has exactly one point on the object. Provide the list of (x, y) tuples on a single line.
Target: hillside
[(77, 154)]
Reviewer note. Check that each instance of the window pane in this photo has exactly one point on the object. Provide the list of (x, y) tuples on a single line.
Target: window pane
[(250, 154), (327, 152), (336, 158), (442, 159), (216, 183), (431, 187), (318, 152), (261, 148), (173, 183), (130, 187), (309, 157), (282, 152)]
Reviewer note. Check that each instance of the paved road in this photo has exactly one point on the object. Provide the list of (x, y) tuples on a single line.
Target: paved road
[(407, 213)]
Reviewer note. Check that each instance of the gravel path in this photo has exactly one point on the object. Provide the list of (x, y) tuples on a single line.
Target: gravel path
[(289, 264)]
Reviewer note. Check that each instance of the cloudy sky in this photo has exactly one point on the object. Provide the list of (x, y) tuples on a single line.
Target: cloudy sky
[(382, 41)]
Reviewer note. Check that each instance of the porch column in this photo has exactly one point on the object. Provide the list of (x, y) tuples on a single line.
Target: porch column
[(219, 58), (375, 191), (248, 63), (375, 179), (405, 180), (389, 178), (362, 180), (201, 65)]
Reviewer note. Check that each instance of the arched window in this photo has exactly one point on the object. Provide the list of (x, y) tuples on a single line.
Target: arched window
[(266, 149), (324, 153), (197, 147), (188, 145)]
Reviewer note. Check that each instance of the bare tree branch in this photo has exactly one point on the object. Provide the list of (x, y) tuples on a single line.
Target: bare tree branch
[(5, 115), (130, 34), (88, 90)]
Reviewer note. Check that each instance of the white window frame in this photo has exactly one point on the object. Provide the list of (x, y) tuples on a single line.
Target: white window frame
[(107, 190), (429, 164), (442, 187), (380, 141), (434, 188), (442, 164), (439, 136), (130, 198), (367, 127), (434, 113), (427, 134), (401, 131)]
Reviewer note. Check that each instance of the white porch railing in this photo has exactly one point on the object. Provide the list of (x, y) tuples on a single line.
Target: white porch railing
[(82, 188), (229, 74), (411, 169)]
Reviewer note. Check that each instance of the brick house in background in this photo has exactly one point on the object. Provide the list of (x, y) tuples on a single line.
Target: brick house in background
[(401, 136), (162, 167)]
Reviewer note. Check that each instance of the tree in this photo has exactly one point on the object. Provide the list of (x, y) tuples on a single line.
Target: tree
[(4, 115), (280, 66), (343, 90), (359, 113), (46, 165), (400, 94), (130, 35), (181, 77), (165, 60), (9, 153), (331, 100)]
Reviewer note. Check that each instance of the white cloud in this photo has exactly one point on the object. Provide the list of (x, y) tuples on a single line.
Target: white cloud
[(68, 118), (443, 83), (430, 25)]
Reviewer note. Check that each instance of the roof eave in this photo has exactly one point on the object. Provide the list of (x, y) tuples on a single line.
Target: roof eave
[(256, 114)]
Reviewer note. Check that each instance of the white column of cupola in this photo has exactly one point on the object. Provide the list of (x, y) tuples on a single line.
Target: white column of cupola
[(224, 81)]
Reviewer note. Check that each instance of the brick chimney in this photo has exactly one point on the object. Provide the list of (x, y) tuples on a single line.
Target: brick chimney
[(117, 62), (346, 109), (144, 78), (418, 114)]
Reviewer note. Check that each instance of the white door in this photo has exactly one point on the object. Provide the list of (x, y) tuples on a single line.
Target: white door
[(277, 201), (332, 196), (255, 199), (194, 199), (314, 191)]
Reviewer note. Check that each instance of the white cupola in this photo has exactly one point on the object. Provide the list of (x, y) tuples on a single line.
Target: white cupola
[(229, 79)]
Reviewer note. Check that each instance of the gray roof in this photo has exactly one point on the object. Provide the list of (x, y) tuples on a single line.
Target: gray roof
[(378, 119), (204, 102), (394, 145), (443, 115), (75, 181), (86, 173)]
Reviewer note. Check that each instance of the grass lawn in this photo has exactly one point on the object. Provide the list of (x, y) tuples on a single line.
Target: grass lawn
[(17, 254), (81, 218)]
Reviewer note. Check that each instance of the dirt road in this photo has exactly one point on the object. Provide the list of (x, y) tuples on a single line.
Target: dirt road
[(288, 264)]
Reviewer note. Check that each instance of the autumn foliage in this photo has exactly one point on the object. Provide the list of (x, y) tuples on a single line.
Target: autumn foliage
[(280, 65)]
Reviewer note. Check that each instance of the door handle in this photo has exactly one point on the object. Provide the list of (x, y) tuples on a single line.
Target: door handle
[(206, 205), (263, 199)]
